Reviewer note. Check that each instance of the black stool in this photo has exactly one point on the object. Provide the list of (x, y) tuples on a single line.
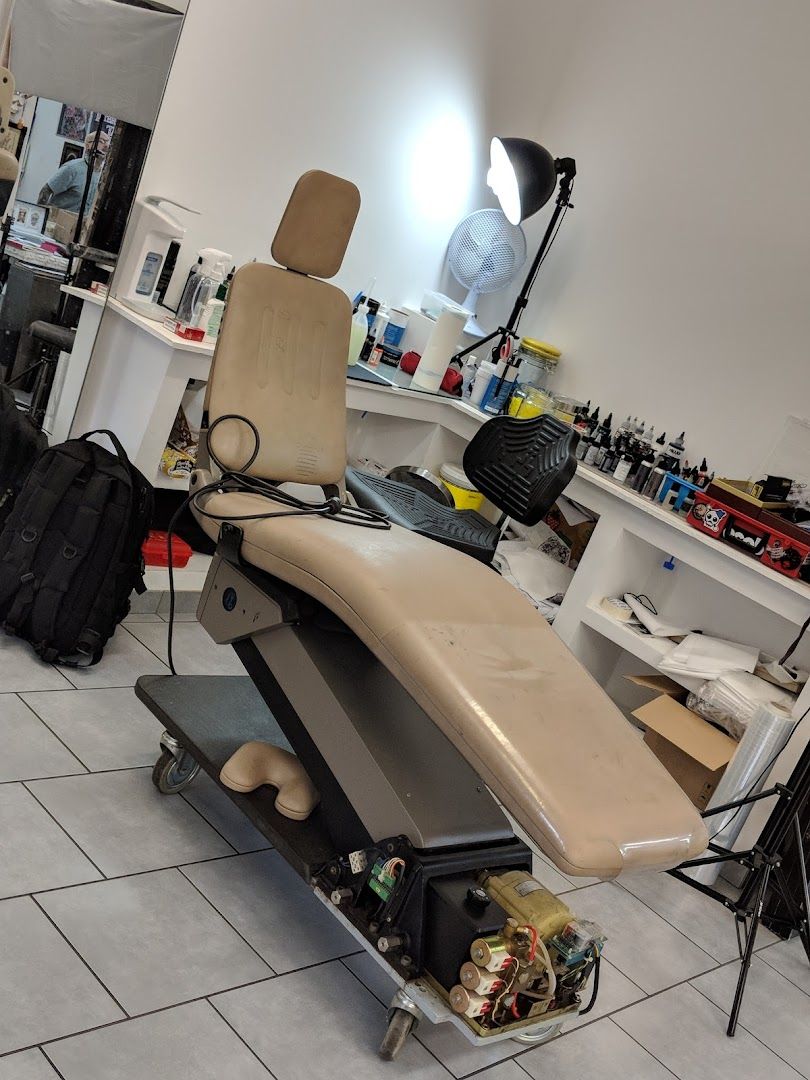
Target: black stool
[(522, 466), (50, 339)]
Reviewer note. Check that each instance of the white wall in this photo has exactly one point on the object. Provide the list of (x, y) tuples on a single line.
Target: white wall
[(259, 92), (43, 150), (679, 285)]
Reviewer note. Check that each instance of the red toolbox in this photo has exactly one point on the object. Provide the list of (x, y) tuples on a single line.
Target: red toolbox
[(156, 550), (775, 542)]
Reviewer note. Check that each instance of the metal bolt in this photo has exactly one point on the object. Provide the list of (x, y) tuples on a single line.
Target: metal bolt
[(339, 895), (392, 941)]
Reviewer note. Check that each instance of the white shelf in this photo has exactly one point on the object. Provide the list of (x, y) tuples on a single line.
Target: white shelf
[(649, 650), (189, 578), (173, 483)]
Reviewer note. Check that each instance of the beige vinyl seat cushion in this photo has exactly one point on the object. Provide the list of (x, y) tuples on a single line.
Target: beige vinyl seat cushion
[(495, 678)]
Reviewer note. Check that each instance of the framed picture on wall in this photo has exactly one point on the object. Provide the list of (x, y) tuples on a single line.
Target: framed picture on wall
[(72, 123), (71, 151), (31, 215), (12, 139)]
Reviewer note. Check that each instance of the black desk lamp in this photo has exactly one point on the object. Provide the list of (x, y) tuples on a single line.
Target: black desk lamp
[(523, 175)]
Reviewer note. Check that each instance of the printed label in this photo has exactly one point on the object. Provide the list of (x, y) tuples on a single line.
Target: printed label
[(529, 886), (149, 274)]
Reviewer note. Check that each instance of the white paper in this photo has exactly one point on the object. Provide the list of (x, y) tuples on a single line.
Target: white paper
[(702, 657), (654, 624)]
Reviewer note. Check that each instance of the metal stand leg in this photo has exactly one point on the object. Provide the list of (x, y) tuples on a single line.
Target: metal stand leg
[(749, 949), (804, 930)]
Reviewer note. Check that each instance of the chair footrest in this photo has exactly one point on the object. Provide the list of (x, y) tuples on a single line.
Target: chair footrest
[(464, 530)]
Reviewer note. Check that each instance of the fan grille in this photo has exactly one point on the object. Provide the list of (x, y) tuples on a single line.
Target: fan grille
[(486, 251)]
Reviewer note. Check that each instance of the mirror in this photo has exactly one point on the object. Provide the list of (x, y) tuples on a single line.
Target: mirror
[(85, 79)]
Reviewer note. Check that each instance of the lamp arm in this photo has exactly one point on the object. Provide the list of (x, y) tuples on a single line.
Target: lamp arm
[(566, 167), (567, 170)]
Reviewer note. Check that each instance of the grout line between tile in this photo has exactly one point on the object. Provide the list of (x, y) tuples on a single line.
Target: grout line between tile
[(69, 776), (210, 824), (740, 1024), (244, 1041), (76, 951), (47, 726), (125, 1019), (776, 969), (64, 830), (226, 920), (644, 1048), (683, 933), (52, 1065)]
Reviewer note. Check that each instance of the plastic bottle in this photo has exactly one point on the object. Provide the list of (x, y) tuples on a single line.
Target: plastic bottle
[(583, 446), (212, 318), (592, 452), (653, 483), (676, 446), (203, 285), (358, 332), (486, 369), (468, 374), (622, 470), (378, 333)]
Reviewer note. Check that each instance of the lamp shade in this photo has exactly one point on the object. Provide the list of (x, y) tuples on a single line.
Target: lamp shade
[(523, 175)]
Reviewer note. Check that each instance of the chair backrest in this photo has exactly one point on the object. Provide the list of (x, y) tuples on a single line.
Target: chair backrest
[(522, 466), (280, 358)]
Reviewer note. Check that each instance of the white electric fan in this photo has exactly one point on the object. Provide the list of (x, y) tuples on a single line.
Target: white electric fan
[(485, 253)]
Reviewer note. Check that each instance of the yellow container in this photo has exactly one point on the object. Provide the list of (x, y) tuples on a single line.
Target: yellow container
[(464, 494), (528, 401)]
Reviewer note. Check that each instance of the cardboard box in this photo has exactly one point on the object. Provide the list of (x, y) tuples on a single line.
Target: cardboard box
[(574, 530), (694, 752), (61, 225)]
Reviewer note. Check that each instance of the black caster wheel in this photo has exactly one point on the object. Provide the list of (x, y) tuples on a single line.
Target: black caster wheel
[(170, 775), (400, 1025)]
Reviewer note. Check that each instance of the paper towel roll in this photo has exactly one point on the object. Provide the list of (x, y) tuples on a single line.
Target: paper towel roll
[(746, 774), (440, 347)]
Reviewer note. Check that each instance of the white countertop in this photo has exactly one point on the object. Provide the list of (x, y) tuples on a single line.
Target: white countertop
[(87, 295), (157, 330)]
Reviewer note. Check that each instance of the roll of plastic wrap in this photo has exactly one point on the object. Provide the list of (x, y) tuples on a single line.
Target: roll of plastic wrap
[(746, 774), (440, 347)]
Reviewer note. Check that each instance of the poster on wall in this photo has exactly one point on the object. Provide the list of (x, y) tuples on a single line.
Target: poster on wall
[(72, 123), (71, 152)]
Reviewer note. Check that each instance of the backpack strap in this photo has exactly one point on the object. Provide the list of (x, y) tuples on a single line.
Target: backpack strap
[(32, 520), (57, 578)]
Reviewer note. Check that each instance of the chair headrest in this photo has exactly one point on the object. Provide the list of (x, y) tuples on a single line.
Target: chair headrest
[(314, 231)]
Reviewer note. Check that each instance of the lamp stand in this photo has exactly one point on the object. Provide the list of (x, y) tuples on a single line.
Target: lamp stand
[(764, 865), (567, 170)]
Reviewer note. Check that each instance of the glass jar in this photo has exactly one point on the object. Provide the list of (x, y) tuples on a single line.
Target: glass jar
[(538, 363), (566, 408), (528, 401)]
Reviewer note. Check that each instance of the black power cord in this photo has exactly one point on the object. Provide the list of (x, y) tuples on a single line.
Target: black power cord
[(238, 481)]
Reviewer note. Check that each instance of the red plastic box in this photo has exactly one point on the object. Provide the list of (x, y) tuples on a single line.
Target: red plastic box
[(156, 550), (775, 547)]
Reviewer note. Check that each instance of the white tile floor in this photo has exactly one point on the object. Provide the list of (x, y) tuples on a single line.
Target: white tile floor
[(144, 936)]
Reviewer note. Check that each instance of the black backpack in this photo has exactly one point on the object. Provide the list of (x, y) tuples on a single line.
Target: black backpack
[(70, 552), (21, 443)]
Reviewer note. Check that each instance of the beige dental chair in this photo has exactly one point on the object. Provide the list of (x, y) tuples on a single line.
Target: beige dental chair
[(409, 679)]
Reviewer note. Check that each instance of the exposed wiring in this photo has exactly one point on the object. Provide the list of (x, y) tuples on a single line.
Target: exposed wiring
[(597, 957), (238, 481)]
